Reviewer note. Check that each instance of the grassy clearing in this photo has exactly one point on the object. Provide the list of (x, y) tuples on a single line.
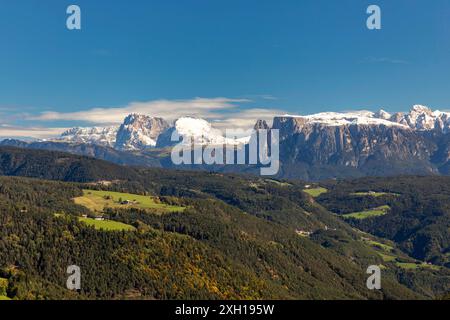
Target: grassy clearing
[(107, 225), (386, 257), (97, 201), (4, 298), (414, 266), (407, 265), (376, 212), (430, 266), (379, 245), (373, 194), (383, 250), (315, 192), (387, 253)]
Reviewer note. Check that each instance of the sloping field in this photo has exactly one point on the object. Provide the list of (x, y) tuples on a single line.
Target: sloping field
[(379, 211), (97, 201), (107, 225)]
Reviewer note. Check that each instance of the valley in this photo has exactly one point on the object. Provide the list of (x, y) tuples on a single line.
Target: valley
[(169, 234), (205, 158)]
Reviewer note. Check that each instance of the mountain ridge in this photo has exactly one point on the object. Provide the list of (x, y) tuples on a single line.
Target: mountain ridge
[(138, 131), (314, 147)]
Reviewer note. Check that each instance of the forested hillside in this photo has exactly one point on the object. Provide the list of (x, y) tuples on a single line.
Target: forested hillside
[(237, 237), (212, 250), (55, 165), (418, 218)]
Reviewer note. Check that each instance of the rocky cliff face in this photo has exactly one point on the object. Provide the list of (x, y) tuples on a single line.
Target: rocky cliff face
[(336, 145), (139, 132), (96, 135), (349, 145), (318, 146), (423, 119)]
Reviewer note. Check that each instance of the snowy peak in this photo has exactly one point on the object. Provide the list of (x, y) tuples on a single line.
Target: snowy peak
[(200, 132), (423, 118), (139, 132), (381, 114), (336, 119), (419, 118), (195, 127), (95, 135), (420, 109)]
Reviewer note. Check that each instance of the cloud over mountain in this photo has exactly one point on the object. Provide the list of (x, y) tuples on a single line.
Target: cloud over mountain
[(220, 111), (168, 109)]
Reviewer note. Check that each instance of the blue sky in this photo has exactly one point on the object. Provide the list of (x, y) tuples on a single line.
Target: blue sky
[(220, 59)]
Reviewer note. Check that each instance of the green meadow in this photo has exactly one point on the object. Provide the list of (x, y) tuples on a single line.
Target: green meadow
[(370, 213), (107, 225), (385, 251), (386, 257), (373, 194), (414, 266), (379, 245), (98, 200), (315, 192)]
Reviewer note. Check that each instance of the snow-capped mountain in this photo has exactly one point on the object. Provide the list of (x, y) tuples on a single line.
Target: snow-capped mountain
[(419, 118), (381, 114), (199, 132), (318, 146), (336, 119), (334, 144), (96, 135), (423, 118), (194, 130), (139, 132)]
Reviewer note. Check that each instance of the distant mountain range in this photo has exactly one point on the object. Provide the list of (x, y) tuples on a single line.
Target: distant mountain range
[(141, 132), (336, 145), (313, 147)]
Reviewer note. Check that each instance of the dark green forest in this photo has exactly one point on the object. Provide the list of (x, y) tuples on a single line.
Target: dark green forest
[(419, 215), (238, 237)]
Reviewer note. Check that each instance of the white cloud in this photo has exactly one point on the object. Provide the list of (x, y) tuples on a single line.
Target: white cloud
[(247, 118), (384, 60), (223, 113), (7, 131), (167, 109)]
